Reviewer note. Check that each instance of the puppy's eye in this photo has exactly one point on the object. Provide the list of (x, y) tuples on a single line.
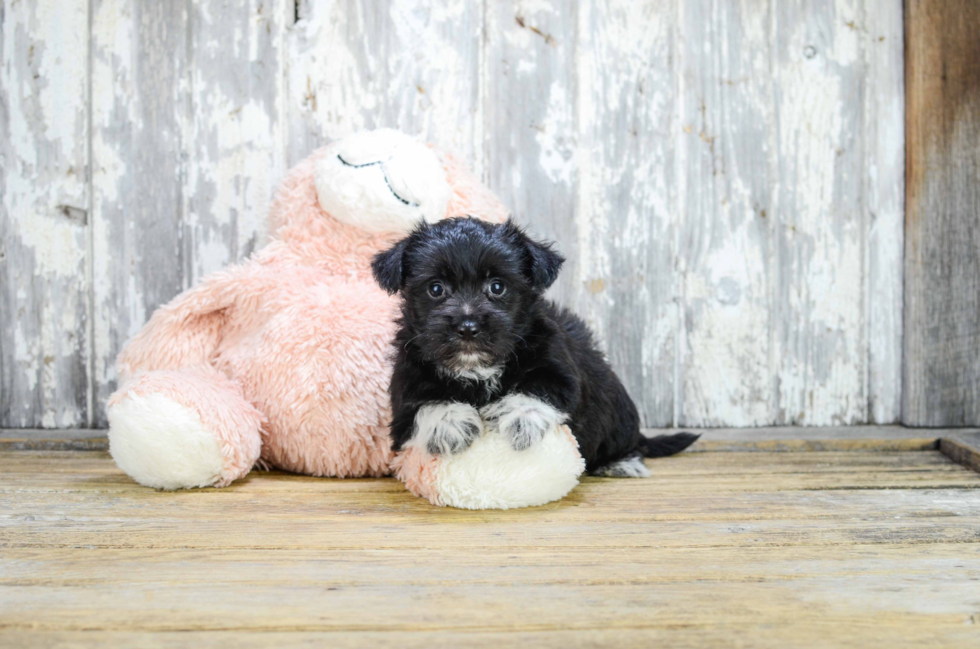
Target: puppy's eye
[(436, 289), (497, 288)]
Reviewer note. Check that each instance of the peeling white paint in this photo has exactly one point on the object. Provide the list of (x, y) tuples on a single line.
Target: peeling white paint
[(115, 112), (884, 120), (239, 176), (43, 217), (556, 142), (822, 375)]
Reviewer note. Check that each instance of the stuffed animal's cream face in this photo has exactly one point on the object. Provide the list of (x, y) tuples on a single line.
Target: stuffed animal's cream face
[(382, 181)]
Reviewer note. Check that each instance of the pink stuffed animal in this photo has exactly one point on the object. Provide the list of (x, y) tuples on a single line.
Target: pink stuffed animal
[(284, 359)]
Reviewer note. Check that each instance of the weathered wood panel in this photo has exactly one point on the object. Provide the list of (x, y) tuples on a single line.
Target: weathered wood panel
[(234, 146), (187, 149), (624, 224), (821, 223), (405, 64), (725, 179), (139, 69), (44, 156), (942, 246), (726, 148), (884, 176), (782, 108), (762, 239), (531, 123)]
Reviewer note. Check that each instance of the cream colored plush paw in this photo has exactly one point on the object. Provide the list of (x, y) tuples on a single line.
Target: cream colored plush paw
[(492, 475), (163, 444)]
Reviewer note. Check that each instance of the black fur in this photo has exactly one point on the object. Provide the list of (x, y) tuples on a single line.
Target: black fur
[(543, 351)]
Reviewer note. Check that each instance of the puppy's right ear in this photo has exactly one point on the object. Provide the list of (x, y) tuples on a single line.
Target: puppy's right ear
[(388, 268), (543, 261)]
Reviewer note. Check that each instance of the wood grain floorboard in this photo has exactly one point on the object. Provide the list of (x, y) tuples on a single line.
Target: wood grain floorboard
[(849, 549)]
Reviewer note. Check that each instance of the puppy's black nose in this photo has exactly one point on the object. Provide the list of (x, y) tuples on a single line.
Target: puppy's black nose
[(468, 328)]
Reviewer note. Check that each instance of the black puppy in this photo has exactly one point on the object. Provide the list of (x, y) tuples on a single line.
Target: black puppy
[(479, 346)]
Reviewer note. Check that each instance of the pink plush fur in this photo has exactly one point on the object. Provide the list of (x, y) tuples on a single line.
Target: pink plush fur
[(218, 401), (417, 469), (286, 355)]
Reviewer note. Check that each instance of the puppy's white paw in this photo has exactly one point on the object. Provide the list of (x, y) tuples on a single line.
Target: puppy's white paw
[(522, 419), (446, 428)]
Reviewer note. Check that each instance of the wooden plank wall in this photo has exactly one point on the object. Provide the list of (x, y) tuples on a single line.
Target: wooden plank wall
[(726, 179), (942, 249), (45, 233)]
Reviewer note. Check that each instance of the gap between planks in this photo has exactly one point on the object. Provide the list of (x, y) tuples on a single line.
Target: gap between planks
[(962, 445)]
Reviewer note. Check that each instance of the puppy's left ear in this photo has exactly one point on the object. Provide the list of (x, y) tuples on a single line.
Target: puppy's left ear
[(388, 268), (543, 262)]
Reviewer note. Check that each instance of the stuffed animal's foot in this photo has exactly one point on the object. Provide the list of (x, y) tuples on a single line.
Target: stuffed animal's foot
[(492, 475), (522, 419), (446, 428), (184, 428)]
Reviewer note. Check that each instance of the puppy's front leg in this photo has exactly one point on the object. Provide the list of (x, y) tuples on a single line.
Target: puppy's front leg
[(446, 427), (523, 419)]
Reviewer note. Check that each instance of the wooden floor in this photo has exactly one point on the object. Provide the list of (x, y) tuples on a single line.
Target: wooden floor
[(771, 549)]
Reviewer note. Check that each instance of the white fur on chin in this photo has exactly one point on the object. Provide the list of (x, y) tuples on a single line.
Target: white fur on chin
[(522, 419), (468, 360), (474, 368), (446, 428)]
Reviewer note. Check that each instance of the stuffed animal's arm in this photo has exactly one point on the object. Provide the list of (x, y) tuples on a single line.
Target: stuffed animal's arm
[(186, 331)]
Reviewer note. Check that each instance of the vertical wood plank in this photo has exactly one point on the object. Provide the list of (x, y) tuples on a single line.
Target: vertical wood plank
[(942, 236), (624, 251), (233, 131), (406, 64), (138, 92), (44, 214), (820, 231), (530, 121), (726, 152), (884, 143), (208, 85), (781, 323)]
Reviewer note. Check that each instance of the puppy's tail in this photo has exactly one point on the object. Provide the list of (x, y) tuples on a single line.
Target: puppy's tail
[(664, 445)]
